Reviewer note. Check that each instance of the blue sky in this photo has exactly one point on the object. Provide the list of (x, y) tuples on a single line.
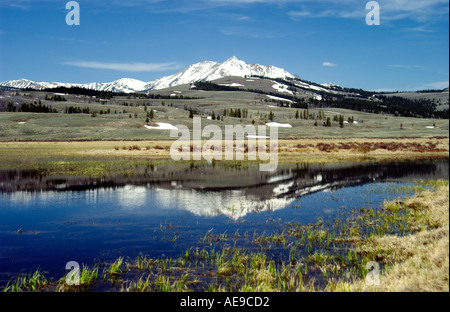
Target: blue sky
[(321, 41)]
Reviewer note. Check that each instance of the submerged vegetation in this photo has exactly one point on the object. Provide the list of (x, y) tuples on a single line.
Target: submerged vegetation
[(407, 237)]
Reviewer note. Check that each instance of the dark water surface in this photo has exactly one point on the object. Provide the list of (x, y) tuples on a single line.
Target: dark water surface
[(45, 225)]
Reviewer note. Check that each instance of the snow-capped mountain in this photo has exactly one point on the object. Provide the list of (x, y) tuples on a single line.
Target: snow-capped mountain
[(208, 71), (203, 71), (127, 85), (24, 83)]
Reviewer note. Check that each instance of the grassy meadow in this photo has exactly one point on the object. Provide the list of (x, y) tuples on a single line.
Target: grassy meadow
[(124, 118)]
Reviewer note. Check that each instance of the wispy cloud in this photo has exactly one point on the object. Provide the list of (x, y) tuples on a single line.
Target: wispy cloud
[(126, 67), (27, 4), (317, 13), (421, 29), (418, 10), (403, 66), (435, 85), (329, 64)]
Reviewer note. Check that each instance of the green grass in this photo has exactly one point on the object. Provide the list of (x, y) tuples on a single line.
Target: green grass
[(33, 282)]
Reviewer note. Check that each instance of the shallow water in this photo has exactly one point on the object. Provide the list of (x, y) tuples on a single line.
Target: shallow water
[(165, 216)]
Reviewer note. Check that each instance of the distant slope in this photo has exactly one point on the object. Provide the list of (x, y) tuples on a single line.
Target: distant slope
[(441, 98), (298, 93)]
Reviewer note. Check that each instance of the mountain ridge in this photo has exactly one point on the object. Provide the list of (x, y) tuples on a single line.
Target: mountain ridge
[(202, 71)]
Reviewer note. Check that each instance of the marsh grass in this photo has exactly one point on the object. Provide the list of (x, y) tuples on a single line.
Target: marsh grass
[(98, 159), (115, 269), (34, 282)]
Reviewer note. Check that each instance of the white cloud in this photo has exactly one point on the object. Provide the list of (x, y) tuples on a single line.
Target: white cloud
[(436, 85), (329, 64), (403, 66), (126, 67)]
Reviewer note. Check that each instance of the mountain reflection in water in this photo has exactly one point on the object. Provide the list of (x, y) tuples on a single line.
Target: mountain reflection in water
[(210, 192)]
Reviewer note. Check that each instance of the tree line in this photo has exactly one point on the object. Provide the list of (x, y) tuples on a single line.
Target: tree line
[(36, 107)]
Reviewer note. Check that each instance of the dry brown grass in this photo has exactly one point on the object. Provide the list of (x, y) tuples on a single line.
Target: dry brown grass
[(315, 150), (417, 262)]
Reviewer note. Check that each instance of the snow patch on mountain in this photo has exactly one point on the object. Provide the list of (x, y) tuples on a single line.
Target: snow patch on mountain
[(282, 88)]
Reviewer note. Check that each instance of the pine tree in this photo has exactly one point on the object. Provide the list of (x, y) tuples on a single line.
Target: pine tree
[(341, 121)]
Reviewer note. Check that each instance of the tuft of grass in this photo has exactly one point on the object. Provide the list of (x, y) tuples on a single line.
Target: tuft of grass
[(34, 282), (115, 269)]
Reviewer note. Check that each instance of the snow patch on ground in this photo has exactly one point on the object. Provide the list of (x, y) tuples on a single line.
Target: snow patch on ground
[(162, 126), (279, 125), (279, 98), (318, 97), (232, 84)]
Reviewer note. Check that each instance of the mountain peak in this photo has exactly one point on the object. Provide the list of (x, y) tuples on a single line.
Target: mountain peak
[(233, 58)]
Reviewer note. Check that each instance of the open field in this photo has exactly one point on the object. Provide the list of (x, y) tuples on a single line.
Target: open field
[(124, 118)]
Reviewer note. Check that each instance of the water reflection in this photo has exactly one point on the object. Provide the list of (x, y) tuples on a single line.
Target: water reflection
[(87, 219), (211, 192)]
